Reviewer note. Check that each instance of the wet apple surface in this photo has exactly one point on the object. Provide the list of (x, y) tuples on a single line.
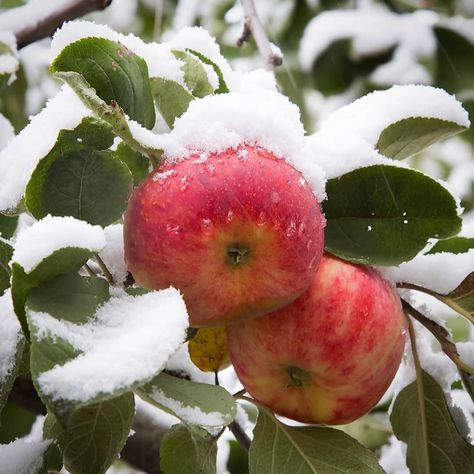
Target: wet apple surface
[(329, 356), (239, 233)]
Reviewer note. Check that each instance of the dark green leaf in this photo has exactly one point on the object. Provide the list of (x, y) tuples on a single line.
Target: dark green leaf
[(95, 435), (116, 73), (384, 215), (188, 449), (171, 98), (454, 61), (58, 263), (222, 89), (192, 402), (421, 418), (136, 162), (6, 252), (7, 226), (282, 449), (453, 245), (195, 74), (411, 135), (461, 299), (76, 178)]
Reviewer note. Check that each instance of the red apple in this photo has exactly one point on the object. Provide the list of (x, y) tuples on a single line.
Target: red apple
[(238, 232), (329, 356)]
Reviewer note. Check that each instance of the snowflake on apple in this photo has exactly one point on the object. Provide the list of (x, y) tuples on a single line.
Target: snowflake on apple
[(206, 218)]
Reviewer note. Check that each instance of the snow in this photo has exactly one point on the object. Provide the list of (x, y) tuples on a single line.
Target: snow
[(373, 31), (393, 457), (25, 455), (44, 237), (9, 60), (113, 252), (64, 111), (6, 131), (190, 414), (11, 335), (266, 118), (368, 116), (128, 341), (440, 272)]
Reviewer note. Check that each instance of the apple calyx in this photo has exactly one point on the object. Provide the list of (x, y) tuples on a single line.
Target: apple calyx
[(237, 255), (298, 376)]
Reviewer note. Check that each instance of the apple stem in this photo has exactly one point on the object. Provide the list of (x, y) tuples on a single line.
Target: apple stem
[(441, 334), (298, 377)]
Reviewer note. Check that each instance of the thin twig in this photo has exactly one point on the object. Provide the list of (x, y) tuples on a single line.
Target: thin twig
[(89, 270), (254, 25), (441, 335), (108, 276), (411, 286), (159, 9), (240, 435), (31, 28)]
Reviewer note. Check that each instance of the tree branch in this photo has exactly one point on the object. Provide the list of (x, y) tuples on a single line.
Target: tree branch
[(28, 26), (441, 335), (240, 435), (253, 25)]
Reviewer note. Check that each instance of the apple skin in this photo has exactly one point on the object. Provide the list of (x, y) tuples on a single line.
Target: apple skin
[(329, 356), (239, 233)]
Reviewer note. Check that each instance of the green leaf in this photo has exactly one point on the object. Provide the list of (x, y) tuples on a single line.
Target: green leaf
[(77, 178), (113, 114), (95, 435), (58, 263), (411, 135), (436, 447), (195, 74), (8, 226), (171, 98), (454, 60), (222, 89), (192, 402), (453, 245), (281, 449), (188, 449), (384, 215), (136, 162), (116, 73), (6, 252), (461, 299)]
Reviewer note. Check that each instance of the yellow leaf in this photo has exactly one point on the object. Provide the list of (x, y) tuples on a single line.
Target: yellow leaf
[(208, 349)]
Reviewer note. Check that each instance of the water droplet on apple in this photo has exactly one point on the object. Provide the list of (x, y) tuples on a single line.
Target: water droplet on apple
[(301, 181), (206, 223), (302, 228), (291, 229), (230, 215), (173, 229), (274, 197), (183, 183), (261, 219)]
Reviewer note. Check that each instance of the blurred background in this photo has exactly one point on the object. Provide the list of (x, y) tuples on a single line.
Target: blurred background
[(334, 52)]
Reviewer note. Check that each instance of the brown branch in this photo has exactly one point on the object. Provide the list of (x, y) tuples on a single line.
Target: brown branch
[(254, 25), (240, 434), (441, 335), (31, 29)]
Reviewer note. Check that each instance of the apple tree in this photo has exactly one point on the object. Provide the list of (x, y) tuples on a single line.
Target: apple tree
[(210, 268)]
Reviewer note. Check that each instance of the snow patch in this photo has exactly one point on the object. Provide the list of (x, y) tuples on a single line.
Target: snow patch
[(113, 252), (44, 237)]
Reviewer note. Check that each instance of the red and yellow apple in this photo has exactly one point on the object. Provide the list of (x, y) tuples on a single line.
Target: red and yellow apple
[(329, 356), (238, 232)]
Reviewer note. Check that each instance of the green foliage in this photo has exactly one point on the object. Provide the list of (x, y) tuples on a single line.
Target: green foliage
[(116, 73), (7, 226), (6, 252), (188, 449), (384, 215), (189, 400), (136, 162), (280, 449), (409, 136), (195, 74), (421, 418), (79, 178), (453, 245)]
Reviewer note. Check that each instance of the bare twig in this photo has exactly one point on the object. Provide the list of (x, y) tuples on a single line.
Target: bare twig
[(28, 27), (240, 435), (441, 335), (253, 25), (159, 9), (89, 270), (108, 276)]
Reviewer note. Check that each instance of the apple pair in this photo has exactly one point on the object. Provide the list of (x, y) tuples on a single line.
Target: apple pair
[(241, 235)]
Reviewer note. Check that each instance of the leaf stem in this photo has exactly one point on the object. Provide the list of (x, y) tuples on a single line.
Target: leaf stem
[(441, 335), (420, 388), (240, 435), (108, 276), (89, 270)]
